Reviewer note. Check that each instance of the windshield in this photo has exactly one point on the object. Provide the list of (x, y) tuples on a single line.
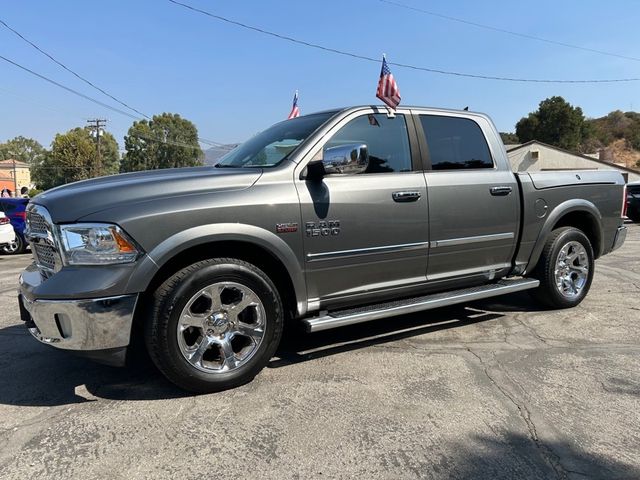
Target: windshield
[(272, 146)]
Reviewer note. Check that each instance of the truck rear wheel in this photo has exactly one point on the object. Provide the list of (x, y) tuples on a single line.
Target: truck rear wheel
[(214, 325), (565, 269)]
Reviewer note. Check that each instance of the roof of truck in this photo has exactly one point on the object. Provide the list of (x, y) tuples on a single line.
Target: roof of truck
[(413, 107)]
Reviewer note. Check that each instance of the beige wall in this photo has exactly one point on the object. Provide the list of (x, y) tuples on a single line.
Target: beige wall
[(23, 175), (551, 159)]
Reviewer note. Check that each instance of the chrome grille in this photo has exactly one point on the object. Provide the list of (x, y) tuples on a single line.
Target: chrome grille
[(44, 255), (40, 233), (37, 223)]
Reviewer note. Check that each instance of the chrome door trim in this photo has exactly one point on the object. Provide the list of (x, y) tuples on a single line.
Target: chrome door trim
[(365, 251), (465, 240)]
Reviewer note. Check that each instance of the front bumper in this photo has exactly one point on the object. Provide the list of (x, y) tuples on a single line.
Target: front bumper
[(621, 235), (91, 325)]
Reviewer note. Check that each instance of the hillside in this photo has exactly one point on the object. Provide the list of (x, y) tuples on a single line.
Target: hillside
[(620, 151), (614, 137), (617, 136), (213, 154)]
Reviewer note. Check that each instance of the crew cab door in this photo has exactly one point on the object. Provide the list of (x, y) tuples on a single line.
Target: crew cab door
[(365, 232), (473, 197)]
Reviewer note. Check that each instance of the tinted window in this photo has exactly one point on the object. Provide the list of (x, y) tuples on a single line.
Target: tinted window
[(386, 139), (455, 143)]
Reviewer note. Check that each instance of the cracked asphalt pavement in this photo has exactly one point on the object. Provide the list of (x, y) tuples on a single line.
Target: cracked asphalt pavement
[(493, 389)]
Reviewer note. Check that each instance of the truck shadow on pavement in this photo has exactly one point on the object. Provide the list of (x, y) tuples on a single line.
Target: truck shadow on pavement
[(510, 455), (298, 346), (32, 374)]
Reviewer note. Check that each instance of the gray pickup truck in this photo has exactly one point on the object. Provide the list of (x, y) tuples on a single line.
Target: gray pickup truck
[(329, 219)]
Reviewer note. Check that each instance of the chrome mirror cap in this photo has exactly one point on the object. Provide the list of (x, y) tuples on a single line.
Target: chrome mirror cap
[(352, 158)]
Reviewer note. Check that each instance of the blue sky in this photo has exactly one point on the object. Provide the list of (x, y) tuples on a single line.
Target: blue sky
[(231, 83)]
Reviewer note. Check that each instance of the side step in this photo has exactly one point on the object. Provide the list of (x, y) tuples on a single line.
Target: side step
[(350, 316)]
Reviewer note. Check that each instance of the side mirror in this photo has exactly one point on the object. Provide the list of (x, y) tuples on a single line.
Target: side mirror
[(352, 159)]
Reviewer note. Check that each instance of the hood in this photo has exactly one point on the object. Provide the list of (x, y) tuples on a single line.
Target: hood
[(70, 202)]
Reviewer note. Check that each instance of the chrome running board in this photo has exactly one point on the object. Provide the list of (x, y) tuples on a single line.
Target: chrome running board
[(340, 318)]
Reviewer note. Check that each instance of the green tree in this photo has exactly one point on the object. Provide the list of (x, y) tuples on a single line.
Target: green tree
[(26, 150), (556, 122), (509, 138), (165, 141), (73, 157)]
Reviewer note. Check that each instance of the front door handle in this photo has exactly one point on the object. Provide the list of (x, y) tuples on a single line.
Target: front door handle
[(403, 197), (500, 191)]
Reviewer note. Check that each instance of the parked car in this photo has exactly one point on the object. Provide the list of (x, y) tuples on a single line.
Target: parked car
[(15, 209), (633, 201), (7, 235), (207, 264)]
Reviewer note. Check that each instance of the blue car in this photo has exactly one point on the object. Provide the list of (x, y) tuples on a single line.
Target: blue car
[(15, 209)]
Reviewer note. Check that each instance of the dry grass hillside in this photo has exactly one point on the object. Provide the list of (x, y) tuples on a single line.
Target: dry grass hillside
[(621, 152)]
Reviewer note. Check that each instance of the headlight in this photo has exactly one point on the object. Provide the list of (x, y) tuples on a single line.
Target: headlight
[(96, 244)]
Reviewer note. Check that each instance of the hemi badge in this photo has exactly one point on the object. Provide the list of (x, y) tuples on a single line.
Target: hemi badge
[(286, 227)]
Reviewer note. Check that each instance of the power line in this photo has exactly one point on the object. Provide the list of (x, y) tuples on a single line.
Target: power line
[(508, 32), (401, 65), (91, 99), (211, 142), (77, 75), (71, 90), (159, 140)]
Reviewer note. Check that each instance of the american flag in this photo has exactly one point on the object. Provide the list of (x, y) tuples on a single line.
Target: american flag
[(295, 111), (388, 90)]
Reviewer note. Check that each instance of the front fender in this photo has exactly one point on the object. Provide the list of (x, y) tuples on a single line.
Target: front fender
[(219, 232), (573, 205)]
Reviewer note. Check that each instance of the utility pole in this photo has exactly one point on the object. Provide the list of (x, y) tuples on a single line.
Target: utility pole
[(95, 125), (15, 179)]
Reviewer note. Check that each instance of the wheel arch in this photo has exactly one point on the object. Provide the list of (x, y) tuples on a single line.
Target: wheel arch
[(253, 244), (577, 213)]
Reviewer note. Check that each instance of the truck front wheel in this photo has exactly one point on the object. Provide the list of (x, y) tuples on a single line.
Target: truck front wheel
[(565, 269), (214, 325)]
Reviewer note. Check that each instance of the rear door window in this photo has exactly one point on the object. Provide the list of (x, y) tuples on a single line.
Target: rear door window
[(455, 143)]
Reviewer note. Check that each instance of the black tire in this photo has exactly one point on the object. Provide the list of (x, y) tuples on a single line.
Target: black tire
[(19, 246), (548, 293), (634, 216), (171, 298)]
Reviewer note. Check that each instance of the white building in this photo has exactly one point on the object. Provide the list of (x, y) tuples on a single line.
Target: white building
[(535, 156)]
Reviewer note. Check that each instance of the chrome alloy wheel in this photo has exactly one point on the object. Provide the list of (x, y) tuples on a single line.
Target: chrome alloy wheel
[(572, 269), (221, 327), (12, 247)]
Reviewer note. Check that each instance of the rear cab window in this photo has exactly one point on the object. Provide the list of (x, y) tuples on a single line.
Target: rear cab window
[(455, 143)]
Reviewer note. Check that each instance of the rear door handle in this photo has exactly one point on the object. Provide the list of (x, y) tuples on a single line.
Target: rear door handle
[(402, 197), (500, 191)]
